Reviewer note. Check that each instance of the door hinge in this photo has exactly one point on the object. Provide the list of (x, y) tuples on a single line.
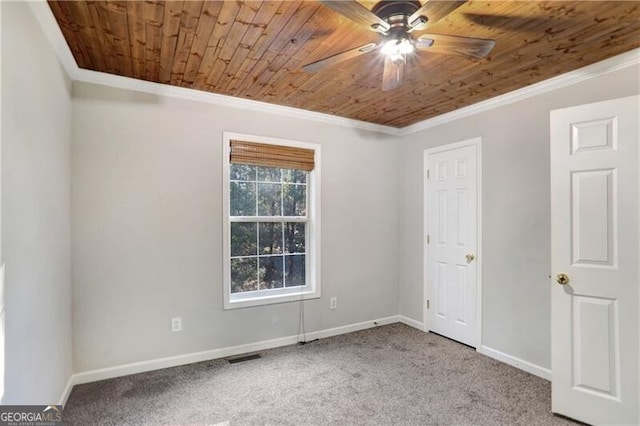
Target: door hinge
[(428, 174), (428, 239), (427, 303)]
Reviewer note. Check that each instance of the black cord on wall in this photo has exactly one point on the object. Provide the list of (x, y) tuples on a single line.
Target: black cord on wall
[(301, 329)]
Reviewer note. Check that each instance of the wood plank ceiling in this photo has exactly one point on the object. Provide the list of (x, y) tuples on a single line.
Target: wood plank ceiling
[(255, 50)]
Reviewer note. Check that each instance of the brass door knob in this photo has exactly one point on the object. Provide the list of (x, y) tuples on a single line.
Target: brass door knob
[(562, 279), (470, 257)]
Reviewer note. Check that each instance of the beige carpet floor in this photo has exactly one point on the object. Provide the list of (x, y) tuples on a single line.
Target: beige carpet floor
[(389, 375)]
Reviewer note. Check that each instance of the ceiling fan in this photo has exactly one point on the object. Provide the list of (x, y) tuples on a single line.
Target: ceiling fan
[(395, 21)]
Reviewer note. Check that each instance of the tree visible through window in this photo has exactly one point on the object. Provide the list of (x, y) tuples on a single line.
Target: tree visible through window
[(268, 214)]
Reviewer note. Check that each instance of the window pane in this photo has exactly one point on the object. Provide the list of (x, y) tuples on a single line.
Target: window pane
[(294, 236), (269, 174), (244, 239), (270, 238), (242, 172), (270, 272), (244, 274), (294, 270), (243, 199), (295, 200), (294, 176), (269, 199)]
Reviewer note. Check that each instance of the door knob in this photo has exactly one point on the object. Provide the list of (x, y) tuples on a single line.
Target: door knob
[(562, 279), (470, 257)]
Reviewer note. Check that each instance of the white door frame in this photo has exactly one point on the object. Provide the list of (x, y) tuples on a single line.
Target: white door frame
[(477, 142)]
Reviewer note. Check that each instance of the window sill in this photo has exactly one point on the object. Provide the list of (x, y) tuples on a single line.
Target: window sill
[(263, 300)]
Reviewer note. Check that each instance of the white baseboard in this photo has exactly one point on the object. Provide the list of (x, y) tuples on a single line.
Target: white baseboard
[(67, 391), (156, 364), (534, 369), (411, 322)]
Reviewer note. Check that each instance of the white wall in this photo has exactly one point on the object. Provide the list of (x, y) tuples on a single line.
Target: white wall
[(146, 220), (2, 332), (516, 210), (146, 223), (147, 227), (36, 123)]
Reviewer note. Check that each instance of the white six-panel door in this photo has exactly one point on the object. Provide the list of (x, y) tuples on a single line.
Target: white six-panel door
[(451, 242), (594, 235)]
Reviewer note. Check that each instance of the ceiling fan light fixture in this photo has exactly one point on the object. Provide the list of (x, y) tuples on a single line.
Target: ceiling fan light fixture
[(397, 49), (395, 20)]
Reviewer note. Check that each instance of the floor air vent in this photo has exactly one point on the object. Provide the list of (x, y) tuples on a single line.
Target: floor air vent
[(243, 358)]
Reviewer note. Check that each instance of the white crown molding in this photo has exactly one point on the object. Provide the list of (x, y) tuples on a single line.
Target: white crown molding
[(226, 101), (45, 18), (614, 63), (47, 21)]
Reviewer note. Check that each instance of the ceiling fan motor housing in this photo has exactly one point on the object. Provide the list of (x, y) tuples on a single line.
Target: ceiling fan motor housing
[(396, 13)]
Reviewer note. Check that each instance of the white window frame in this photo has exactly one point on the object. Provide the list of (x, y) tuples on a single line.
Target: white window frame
[(312, 289)]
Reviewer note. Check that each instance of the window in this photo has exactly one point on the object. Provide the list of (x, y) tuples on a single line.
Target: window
[(271, 221)]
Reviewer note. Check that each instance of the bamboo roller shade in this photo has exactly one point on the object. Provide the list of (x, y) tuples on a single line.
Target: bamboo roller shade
[(261, 154)]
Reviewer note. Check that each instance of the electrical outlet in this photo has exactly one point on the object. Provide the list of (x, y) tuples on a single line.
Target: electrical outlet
[(176, 324), (333, 303)]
